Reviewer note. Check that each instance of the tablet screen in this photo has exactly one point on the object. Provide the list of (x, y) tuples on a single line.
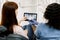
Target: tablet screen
[(31, 16)]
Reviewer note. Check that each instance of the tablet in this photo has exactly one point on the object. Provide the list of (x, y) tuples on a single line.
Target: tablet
[(31, 16)]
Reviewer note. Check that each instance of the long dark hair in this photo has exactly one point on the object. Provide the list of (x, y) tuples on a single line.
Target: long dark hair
[(52, 14), (9, 15)]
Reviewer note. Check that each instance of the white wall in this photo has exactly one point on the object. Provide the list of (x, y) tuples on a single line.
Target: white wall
[(1, 4)]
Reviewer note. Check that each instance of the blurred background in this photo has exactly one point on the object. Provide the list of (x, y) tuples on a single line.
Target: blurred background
[(30, 6)]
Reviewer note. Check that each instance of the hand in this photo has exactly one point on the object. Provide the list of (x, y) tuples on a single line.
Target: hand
[(23, 19), (22, 22)]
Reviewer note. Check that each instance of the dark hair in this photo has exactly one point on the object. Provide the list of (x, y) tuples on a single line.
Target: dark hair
[(9, 16), (52, 14)]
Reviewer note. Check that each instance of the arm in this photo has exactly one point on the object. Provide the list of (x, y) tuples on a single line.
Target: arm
[(37, 32)]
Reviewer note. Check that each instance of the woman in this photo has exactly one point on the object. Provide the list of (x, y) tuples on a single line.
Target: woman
[(9, 19), (51, 29)]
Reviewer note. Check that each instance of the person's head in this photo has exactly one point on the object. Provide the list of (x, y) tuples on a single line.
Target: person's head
[(8, 14), (52, 14)]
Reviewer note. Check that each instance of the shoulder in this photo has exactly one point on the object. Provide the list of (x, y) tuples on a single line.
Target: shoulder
[(3, 28), (17, 29), (41, 25)]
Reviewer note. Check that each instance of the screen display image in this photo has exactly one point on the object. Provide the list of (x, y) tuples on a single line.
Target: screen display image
[(31, 16)]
